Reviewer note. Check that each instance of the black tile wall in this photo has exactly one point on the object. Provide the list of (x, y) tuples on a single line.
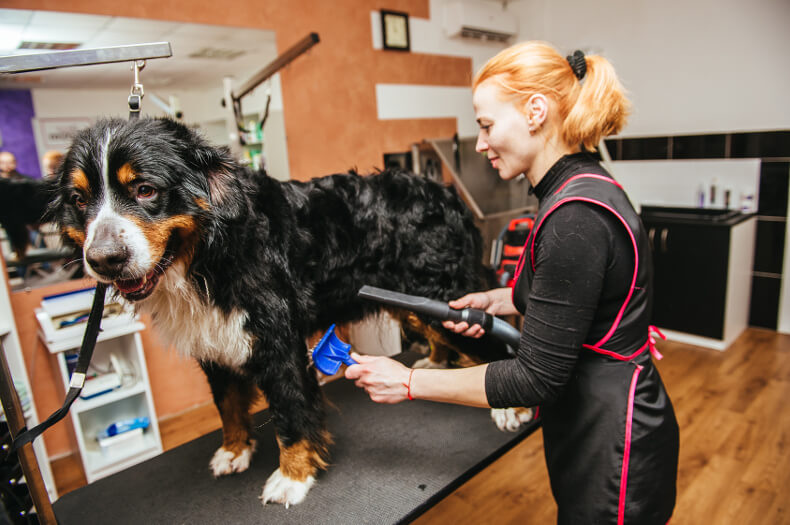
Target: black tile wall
[(769, 247), (773, 148), (774, 179), (764, 144), (764, 306), (699, 146), (613, 147), (650, 148)]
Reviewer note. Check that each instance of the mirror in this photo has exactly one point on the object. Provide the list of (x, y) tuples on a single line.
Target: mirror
[(45, 108)]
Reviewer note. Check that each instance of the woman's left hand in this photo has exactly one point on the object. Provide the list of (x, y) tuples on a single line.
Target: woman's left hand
[(385, 380)]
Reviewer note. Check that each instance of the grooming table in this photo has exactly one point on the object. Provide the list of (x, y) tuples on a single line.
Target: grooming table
[(389, 464)]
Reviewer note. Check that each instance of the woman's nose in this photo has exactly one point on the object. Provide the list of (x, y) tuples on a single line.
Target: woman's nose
[(481, 145)]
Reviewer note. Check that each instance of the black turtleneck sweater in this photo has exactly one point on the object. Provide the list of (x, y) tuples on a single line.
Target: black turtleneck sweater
[(583, 266)]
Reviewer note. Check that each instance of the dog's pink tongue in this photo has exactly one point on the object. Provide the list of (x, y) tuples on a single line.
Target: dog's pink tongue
[(129, 285), (133, 285)]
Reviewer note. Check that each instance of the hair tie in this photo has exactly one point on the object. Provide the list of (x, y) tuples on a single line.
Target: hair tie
[(578, 64)]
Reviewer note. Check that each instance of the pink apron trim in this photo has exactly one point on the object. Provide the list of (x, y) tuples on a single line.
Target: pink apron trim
[(627, 452), (650, 343), (522, 257), (620, 313)]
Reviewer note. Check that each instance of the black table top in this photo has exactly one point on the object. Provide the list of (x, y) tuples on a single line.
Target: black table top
[(390, 463)]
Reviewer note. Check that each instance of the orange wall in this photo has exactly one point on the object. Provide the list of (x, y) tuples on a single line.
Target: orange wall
[(329, 94), (329, 104)]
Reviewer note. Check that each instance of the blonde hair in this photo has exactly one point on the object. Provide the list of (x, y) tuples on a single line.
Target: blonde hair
[(50, 161), (589, 110)]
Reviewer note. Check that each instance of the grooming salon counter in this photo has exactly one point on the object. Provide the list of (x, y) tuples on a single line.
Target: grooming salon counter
[(390, 464)]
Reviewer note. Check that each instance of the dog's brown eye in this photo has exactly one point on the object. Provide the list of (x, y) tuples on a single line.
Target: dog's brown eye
[(145, 191), (79, 201)]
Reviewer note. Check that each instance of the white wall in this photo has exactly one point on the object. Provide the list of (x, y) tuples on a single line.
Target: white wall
[(400, 101), (698, 66), (677, 182), (690, 65)]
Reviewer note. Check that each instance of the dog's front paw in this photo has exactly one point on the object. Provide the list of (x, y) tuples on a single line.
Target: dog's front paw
[(510, 419), (227, 462), (426, 362), (280, 488)]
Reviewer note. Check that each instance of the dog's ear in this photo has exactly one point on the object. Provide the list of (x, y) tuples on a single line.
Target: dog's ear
[(227, 199)]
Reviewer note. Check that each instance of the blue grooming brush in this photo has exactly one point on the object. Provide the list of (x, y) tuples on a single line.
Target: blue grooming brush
[(330, 353)]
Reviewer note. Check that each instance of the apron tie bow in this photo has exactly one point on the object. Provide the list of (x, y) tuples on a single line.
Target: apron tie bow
[(651, 341)]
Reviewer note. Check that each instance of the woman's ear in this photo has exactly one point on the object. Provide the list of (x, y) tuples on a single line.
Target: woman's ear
[(536, 109)]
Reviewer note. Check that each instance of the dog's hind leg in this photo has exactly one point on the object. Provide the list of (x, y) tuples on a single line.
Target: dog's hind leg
[(233, 396), (440, 347), (297, 407)]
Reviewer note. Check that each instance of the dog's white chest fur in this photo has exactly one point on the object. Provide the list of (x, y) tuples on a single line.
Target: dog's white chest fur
[(195, 328)]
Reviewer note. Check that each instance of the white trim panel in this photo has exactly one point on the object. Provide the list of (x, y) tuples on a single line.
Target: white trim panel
[(406, 101)]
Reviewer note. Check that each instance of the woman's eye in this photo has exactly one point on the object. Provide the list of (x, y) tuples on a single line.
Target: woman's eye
[(144, 191), (78, 200)]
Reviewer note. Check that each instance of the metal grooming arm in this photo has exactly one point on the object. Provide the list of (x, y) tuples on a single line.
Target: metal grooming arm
[(232, 100), (83, 57)]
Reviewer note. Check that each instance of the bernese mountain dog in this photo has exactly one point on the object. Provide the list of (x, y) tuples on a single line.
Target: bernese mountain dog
[(238, 269)]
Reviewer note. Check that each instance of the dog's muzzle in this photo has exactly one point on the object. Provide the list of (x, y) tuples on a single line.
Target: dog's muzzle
[(107, 254)]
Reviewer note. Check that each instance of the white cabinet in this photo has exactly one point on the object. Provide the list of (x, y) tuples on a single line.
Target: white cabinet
[(118, 351)]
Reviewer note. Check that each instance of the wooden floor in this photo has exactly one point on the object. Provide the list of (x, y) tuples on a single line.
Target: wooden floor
[(734, 439)]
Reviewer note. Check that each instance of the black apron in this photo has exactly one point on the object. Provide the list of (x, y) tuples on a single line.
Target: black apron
[(611, 439)]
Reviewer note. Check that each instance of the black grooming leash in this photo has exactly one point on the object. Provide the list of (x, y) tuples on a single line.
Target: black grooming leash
[(94, 319), (77, 377)]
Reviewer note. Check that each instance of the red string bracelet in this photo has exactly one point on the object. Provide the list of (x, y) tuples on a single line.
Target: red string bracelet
[(408, 386)]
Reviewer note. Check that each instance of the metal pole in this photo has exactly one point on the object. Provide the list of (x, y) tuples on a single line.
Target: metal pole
[(27, 456), (278, 63), (231, 122)]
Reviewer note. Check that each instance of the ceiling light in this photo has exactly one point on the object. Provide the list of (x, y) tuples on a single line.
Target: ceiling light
[(10, 39)]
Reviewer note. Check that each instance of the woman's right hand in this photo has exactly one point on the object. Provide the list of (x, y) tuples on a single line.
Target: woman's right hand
[(494, 302)]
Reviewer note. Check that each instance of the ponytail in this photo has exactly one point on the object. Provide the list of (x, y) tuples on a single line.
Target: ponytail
[(600, 107), (590, 100)]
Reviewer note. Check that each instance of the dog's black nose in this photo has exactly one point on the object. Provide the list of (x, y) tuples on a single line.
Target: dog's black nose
[(107, 254)]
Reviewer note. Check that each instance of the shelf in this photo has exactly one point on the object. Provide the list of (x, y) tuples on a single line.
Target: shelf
[(110, 332), (100, 464), (83, 405)]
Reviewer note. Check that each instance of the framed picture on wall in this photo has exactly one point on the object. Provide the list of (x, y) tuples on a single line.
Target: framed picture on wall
[(395, 30)]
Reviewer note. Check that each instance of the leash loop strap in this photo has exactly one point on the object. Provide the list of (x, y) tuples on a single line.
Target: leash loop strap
[(77, 377)]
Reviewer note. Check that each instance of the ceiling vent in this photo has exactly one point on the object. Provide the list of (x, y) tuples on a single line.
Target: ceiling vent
[(479, 20)]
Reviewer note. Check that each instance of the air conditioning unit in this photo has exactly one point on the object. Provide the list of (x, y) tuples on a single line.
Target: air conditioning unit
[(482, 20)]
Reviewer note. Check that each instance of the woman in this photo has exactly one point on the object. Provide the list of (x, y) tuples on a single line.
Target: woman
[(584, 288)]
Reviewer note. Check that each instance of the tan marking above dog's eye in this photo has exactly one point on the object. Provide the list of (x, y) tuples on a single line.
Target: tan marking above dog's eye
[(80, 181), (126, 174)]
